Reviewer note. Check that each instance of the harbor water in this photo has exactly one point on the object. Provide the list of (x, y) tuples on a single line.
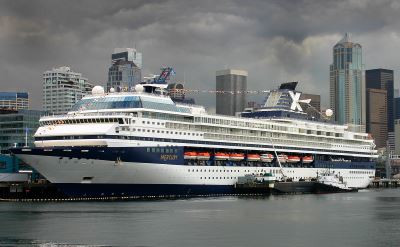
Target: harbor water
[(367, 218)]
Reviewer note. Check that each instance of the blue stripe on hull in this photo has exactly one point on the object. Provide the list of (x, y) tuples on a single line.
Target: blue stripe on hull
[(141, 155), (97, 190)]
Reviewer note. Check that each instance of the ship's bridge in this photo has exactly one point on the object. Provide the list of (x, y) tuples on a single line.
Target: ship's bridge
[(118, 101)]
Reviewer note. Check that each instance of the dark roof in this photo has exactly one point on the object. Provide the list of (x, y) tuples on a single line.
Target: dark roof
[(289, 85)]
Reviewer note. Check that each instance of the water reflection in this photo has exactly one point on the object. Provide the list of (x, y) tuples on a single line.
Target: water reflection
[(369, 218)]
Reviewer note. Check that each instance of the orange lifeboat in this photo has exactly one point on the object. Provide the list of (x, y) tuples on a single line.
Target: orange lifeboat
[(266, 157), (190, 155), (282, 158), (221, 156), (203, 156), (307, 159), (236, 156), (253, 157), (293, 159)]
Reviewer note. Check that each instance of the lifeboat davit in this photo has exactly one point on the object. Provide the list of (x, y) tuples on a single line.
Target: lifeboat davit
[(221, 156), (293, 159), (253, 157), (203, 156), (282, 158), (190, 155), (307, 159), (236, 156), (266, 157)]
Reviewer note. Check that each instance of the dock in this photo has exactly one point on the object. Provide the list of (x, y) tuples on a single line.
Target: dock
[(385, 183)]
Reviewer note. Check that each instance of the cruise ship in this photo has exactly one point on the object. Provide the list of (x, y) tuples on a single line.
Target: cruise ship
[(142, 143)]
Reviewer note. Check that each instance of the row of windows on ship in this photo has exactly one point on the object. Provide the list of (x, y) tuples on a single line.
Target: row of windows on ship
[(227, 137), (276, 172), (181, 126), (226, 132), (184, 126)]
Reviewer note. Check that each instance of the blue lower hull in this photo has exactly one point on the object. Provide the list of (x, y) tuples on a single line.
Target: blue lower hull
[(142, 190)]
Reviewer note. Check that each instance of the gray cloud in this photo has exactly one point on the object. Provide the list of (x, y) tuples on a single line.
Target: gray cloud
[(274, 40)]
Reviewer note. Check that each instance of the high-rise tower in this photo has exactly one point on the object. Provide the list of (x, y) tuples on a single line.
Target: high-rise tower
[(62, 88), (347, 84), (231, 85), (125, 70), (383, 79)]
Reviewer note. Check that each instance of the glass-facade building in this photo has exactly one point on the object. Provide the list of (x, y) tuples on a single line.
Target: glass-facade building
[(383, 79), (126, 69), (347, 84), (18, 127), (62, 88), (14, 100)]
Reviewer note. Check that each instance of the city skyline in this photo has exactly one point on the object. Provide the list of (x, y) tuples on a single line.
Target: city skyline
[(260, 38)]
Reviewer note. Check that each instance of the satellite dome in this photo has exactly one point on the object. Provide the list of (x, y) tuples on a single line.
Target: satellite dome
[(98, 90), (139, 88), (112, 90), (328, 112)]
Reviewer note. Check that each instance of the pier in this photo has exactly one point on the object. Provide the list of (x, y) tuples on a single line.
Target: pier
[(385, 183)]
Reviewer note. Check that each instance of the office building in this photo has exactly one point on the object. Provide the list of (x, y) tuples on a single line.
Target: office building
[(231, 86), (396, 108), (62, 88), (315, 109), (377, 116), (17, 127), (14, 100), (347, 85), (397, 136), (125, 71), (383, 79)]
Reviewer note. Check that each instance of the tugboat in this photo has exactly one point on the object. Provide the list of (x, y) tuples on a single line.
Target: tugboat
[(330, 182)]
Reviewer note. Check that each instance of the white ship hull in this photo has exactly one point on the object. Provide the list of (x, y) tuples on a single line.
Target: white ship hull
[(96, 174)]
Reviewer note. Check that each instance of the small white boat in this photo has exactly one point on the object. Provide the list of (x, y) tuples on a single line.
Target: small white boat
[(203, 156), (236, 157), (266, 157), (307, 159), (293, 159), (253, 157), (190, 155), (221, 156), (282, 158)]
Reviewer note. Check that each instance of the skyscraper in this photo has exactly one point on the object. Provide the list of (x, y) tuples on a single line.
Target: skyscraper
[(125, 70), (14, 100), (62, 88), (230, 86), (383, 79), (347, 85), (377, 121)]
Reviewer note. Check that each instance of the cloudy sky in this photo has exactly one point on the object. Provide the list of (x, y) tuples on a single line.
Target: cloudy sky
[(275, 41)]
